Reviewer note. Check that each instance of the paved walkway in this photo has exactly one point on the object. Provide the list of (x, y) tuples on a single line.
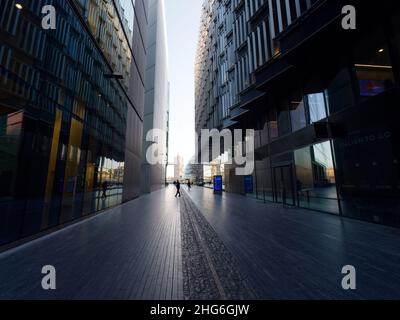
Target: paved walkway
[(204, 246), (299, 254), (128, 252)]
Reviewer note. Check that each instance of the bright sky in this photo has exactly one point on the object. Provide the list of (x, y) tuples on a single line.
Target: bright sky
[(183, 20)]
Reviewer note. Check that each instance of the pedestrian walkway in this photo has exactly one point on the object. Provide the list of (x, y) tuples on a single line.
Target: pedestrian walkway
[(128, 252), (299, 254), (210, 270), (204, 246)]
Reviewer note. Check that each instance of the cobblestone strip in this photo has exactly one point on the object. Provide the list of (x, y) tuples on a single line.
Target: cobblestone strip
[(209, 269)]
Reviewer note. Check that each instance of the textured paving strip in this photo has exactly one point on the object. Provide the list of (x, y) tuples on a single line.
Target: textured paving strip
[(209, 269)]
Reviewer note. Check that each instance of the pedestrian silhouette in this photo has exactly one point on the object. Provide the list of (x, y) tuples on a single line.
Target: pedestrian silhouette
[(178, 189), (189, 184), (105, 187)]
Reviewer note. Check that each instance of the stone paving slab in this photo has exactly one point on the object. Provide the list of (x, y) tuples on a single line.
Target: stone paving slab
[(210, 271)]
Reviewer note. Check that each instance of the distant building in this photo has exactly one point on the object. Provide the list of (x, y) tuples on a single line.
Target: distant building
[(156, 108), (179, 167)]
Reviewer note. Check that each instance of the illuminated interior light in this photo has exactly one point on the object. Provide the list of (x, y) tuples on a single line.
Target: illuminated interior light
[(373, 66), (19, 6)]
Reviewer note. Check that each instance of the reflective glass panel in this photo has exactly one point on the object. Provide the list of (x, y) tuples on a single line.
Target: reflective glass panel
[(316, 181), (317, 106)]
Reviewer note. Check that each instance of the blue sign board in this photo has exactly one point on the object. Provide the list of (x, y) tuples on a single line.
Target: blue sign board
[(248, 184), (218, 183)]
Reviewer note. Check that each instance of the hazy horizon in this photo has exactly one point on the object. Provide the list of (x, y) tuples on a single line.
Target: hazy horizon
[(183, 20)]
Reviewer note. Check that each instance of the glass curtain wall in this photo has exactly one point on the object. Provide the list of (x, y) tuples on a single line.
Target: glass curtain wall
[(62, 121)]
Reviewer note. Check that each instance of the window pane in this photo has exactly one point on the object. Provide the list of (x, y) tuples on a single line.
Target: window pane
[(316, 182), (298, 115), (373, 66), (127, 13), (283, 120), (317, 107)]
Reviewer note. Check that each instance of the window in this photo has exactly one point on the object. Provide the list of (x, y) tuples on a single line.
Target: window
[(316, 181), (317, 107), (373, 67), (272, 124), (297, 112), (283, 120), (306, 110)]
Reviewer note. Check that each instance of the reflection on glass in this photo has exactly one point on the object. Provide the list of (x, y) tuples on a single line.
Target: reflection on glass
[(283, 120), (273, 130), (317, 107), (374, 80), (65, 134), (272, 124), (373, 64), (263, 180), (298, 115), (10, 130), (305, 111), (127, 13), (316, 183), (108, 28)]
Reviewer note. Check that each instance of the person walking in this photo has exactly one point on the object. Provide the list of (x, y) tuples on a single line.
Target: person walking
[(189, 184), (178, 189)]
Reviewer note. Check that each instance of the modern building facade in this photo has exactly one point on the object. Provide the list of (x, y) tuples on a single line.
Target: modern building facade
[(71, 111), (322, 100), (156, 108)]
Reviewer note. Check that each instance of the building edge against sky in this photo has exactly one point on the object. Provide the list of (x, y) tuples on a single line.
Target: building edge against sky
[(66, 126), (156, 107), (323, 101)]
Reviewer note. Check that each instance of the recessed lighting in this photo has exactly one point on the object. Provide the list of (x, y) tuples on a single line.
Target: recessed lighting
[(19, 6), (381, 50)]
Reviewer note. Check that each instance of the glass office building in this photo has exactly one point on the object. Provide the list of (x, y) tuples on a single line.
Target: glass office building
[(71, 111), (323, 101)]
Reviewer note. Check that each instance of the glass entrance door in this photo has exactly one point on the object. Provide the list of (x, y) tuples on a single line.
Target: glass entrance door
[(284, 187)]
